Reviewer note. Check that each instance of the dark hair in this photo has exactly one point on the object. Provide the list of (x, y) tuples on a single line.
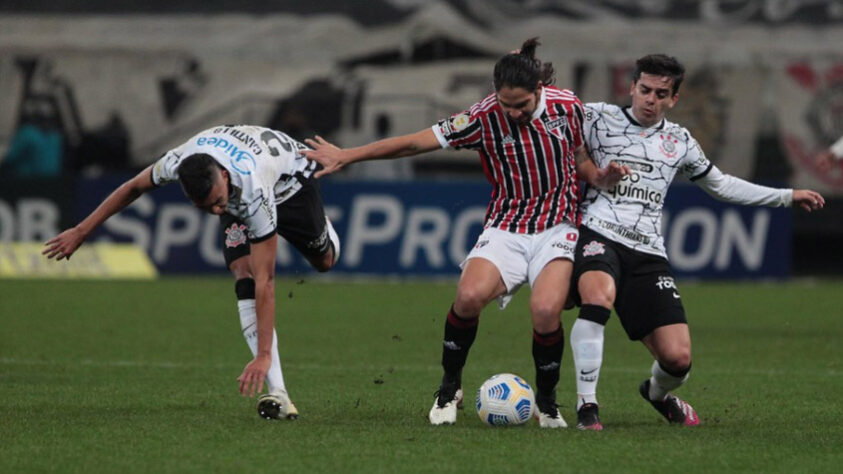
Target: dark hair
[(523, 69), (660, 65), (196, 175)]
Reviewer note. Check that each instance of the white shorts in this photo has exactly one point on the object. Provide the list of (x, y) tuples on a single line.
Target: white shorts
[(521, 257)]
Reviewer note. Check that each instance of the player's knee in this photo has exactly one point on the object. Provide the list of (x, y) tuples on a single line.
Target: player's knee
[(470, 300), (677, 360), (597, 288), (241, 268), (545, 311), (596, 297)]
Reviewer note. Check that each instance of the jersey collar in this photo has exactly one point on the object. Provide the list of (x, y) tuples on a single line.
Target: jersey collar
[(542, 105), (628, 112)]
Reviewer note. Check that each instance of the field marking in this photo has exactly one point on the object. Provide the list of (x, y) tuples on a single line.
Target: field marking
[(11, 361)]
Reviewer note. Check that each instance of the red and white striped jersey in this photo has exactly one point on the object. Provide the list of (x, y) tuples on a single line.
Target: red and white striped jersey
[(531, 167)]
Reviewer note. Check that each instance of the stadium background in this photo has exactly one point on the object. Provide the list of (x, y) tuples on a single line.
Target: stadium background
[(122, 82)]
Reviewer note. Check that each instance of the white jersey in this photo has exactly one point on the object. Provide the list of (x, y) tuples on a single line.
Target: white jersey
[(265, 168), (631, 212)]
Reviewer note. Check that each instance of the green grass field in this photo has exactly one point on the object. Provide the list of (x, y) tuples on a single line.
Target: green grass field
[(140, 377)]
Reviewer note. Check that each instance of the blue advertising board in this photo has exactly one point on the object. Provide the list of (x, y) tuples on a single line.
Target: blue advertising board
[(425, 228)]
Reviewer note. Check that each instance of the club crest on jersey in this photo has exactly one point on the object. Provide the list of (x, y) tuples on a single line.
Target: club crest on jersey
[(668, 145), (235, 235), (557, 126), (593, 248), (481, 244)]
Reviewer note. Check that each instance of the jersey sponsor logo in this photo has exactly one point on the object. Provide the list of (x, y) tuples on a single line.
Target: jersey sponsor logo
[(636, 165), (667, 283), (630, 188), (240, 161), (565, 246), (235, 235), (668, 146), (571, 236), (593, 248)]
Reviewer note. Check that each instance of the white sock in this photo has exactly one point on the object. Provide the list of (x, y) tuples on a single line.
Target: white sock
[(662, 382), (248, 322), (587, 346)]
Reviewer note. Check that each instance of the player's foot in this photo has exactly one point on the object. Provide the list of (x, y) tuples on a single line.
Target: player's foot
[(276, 406), (588, 418), (448, 399), (547, 412), (674, 409)]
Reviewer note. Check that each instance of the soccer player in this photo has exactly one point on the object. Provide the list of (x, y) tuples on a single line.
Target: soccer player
[(260, 185), (527, 134), (620, 256)]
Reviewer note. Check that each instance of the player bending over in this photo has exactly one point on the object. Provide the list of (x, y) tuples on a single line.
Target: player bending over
[(260, 185)]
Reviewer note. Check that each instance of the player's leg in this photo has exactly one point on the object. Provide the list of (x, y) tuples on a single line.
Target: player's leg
[(671, 347), (595, 287), (549, 272), (489, 271), (550, 289), (650, 308), (479, 284), (597, 292), (302, 222), (276, 403)]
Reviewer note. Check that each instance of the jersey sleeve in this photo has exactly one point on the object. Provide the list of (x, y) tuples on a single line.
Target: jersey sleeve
[(460, 131), (165, 170), (694, 164), (578, 125)]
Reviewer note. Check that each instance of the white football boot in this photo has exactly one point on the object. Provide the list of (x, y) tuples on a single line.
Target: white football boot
[(448, 399), (276, 406), (547, 412)]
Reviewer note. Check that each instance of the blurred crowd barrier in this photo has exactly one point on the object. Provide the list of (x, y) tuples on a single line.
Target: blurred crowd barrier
[(416, 228)]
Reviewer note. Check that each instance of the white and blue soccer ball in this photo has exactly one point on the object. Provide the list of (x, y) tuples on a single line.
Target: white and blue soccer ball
[(505, 399)]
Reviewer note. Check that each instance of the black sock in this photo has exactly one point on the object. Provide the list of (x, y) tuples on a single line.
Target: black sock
[(459, 335), (547, 356)]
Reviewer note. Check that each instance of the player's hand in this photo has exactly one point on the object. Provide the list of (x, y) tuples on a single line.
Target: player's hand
[(251, 379), (64, 244), (325, 153), (808, 200), (611, 175)]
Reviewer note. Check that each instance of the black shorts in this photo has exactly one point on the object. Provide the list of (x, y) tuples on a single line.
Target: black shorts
[(301, 222), (646, 298)]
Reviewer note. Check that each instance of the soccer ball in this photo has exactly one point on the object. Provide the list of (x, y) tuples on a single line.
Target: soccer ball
[(505, 399)]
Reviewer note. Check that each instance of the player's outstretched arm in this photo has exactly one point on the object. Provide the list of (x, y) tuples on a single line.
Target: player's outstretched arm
[(808, 200), (729, 188), (603, 178), (263, 268), (333, 158), (64, 244)]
